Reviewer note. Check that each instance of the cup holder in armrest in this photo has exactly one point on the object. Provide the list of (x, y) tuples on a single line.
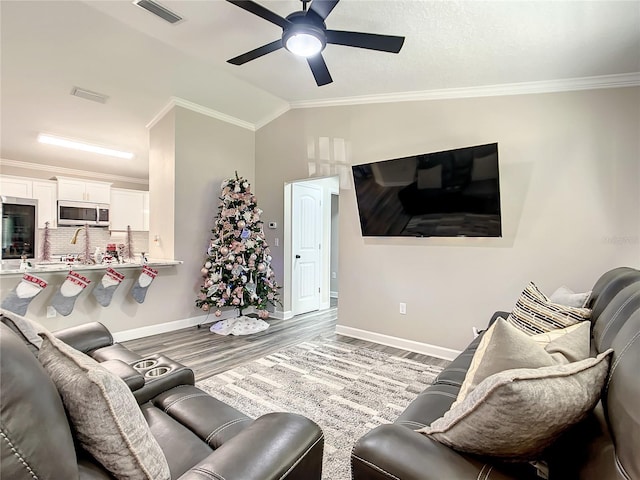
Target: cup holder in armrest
[(144, 364), (157, 372), (160, 374)]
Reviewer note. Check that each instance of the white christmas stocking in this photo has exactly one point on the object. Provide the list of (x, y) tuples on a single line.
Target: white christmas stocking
[(65, 299), (19, 298), (104, 290), (139, 290)]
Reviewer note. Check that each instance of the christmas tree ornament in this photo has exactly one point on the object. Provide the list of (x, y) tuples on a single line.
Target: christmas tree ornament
[(18, 299), (236, 244), (139, 290), (65, 298), (107, 286)]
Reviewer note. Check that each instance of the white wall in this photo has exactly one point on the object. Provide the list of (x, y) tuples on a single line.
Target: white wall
[(569, 179)]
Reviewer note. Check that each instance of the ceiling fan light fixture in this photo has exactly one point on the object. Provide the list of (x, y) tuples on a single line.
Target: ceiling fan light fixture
[(304, 44)]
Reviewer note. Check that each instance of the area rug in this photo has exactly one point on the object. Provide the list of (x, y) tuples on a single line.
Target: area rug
[(345, 389)]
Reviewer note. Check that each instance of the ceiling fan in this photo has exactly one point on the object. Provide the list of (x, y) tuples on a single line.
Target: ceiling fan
[(304, 33)]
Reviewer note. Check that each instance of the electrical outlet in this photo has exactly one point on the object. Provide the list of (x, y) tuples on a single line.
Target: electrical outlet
[(51, 312), (276, 242), (403, 308)]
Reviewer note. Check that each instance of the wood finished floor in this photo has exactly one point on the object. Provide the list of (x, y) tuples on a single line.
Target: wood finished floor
[(208, 354)]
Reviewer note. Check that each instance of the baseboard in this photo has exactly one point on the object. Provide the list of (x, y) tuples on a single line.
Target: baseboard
[(149, 330), (281, 314), (412, 346)]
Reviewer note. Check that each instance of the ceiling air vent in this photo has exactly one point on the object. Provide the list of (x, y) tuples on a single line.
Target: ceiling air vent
[(89, 95), (158, 10)]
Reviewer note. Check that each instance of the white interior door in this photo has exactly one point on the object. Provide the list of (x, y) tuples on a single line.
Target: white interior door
[(306, 231)]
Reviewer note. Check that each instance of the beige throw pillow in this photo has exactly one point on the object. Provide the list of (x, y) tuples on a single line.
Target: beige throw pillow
[(534, 313), (517, 413), (504, 347), (104, 413)]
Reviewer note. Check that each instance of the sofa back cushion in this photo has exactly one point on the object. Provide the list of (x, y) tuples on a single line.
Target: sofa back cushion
[(35, 438), (622, 392)]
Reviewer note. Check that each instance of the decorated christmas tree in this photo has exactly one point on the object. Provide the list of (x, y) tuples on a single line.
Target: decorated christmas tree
[(237, 271)]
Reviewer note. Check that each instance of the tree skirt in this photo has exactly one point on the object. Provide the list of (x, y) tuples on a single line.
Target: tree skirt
[(239, 326)]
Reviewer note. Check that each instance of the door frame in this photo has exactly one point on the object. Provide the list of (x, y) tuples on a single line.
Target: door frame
[(329, 186)]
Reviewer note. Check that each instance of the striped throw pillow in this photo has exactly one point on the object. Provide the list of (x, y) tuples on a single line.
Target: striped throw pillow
[(534, 313)]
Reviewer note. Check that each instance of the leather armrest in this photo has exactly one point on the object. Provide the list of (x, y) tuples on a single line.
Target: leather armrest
[(394, 451), (276, 445), (133, 378), (86, 337)]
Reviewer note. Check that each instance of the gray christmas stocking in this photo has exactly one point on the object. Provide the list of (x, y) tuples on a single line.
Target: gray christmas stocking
[(139, 290), (104, 290), (19, 298), (65, 299)]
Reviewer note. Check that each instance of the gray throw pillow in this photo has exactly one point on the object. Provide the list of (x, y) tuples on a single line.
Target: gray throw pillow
[(534, 313), (505, 347), (517, 413), (26, 329), (104, 413), (565, 296)]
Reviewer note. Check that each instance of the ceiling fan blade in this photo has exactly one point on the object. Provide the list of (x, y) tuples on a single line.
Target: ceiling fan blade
[(261, 12), (319, 70), (256, 53), (323, 8), (372, 41)]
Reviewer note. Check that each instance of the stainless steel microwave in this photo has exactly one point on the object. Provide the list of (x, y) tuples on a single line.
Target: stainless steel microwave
[(80, 213)]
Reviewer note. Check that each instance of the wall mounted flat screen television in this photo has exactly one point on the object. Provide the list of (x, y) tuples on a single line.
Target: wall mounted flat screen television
[(455, 193)]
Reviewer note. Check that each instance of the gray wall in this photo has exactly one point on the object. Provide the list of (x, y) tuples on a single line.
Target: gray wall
[(569, 179), (190, 156)]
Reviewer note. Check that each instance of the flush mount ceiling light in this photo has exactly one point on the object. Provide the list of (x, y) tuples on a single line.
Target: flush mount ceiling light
[(85, 147)]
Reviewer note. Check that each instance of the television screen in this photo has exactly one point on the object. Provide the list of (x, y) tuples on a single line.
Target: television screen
[(455, 193)]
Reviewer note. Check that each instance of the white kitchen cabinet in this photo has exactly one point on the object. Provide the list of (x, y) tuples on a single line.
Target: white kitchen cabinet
[(128, 208), (45, 192), (83, 191), (15, 187)]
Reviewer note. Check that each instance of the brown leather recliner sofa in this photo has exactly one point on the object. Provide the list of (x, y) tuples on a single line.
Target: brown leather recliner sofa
[(200, 436), (604, 446)]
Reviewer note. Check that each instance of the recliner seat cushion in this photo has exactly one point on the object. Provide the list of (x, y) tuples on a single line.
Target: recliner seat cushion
[(105, 415)]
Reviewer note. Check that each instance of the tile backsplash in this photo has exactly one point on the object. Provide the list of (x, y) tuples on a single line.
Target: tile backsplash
[(60, 239)]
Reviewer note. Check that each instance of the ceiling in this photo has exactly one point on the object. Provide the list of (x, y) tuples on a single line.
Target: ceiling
[(141, 63)]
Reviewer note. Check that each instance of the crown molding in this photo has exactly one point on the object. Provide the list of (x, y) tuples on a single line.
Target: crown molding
[(71, 171), (209, 112), (525, 88), (270, 118)]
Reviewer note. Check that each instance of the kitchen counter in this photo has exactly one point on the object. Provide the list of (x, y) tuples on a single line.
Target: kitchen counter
[(12, 267)]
